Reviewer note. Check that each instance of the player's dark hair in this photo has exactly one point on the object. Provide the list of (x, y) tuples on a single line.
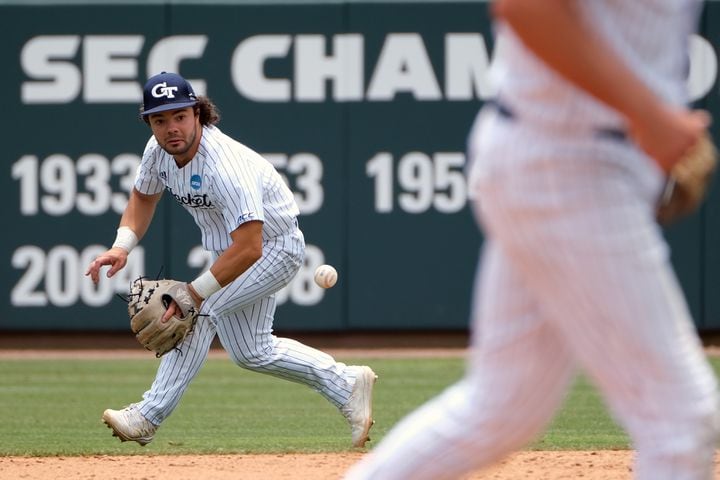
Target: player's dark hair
[(209, 113), (205, 108)]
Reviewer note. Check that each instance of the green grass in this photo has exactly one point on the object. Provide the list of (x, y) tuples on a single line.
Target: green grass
[(583, 424), (53, 407)]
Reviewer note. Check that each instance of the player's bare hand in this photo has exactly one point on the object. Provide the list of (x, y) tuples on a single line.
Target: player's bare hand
[(172, 309), (116, 258), (667, 135)]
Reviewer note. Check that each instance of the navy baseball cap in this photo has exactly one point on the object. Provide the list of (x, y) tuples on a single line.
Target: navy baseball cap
[(167, 91)]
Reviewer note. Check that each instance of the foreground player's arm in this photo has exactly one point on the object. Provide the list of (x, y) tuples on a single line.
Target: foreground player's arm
[(555, 31), (245, 250), (137, 217)]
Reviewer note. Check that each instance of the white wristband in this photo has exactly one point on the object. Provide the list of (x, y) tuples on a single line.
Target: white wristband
[(126, 239), (206, 284)]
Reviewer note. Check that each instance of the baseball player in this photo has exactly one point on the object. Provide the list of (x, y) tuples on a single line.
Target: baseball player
[(567, 164), (248, 220)]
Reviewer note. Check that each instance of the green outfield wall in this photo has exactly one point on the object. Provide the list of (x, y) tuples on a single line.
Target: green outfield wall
[(363, 106)]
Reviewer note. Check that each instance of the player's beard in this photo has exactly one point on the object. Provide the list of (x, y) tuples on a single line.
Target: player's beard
[(183, 148)]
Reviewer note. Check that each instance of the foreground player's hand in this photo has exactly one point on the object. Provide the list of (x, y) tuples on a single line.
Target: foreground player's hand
[(116, 258), (667, 135)]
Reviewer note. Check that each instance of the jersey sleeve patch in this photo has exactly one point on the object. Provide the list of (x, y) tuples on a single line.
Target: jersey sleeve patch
[(247, 217)]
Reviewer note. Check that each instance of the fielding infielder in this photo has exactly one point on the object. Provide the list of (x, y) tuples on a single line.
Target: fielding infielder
[(567, 166), (248, 220)]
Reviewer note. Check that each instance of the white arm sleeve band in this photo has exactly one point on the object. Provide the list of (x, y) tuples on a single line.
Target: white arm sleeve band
[(206, 284), (125, 239)]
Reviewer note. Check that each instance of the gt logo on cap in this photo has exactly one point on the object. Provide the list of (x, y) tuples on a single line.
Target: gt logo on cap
[(162, 90), (166, 91)]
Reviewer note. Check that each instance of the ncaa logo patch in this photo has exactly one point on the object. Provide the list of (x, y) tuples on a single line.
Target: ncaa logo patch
[(196, 182)]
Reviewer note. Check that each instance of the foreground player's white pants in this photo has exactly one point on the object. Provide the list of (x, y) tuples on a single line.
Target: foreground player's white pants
[(241, 315), (575, 273)]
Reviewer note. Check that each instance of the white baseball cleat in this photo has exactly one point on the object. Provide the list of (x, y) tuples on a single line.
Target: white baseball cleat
[(128, 424), (358, 409)]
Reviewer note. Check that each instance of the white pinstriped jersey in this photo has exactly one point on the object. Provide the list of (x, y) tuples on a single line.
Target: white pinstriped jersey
[(650, 35), (225, 185)]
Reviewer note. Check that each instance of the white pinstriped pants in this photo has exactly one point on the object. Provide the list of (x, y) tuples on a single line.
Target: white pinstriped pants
[(574, 273), (242, 315)]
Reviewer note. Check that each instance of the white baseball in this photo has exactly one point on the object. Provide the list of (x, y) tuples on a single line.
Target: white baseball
[(326, 276)]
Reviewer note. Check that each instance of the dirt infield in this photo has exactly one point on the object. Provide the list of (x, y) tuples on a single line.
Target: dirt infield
[(525, 465)]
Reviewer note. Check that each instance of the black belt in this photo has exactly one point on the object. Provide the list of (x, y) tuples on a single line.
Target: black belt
[(601, 132)]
